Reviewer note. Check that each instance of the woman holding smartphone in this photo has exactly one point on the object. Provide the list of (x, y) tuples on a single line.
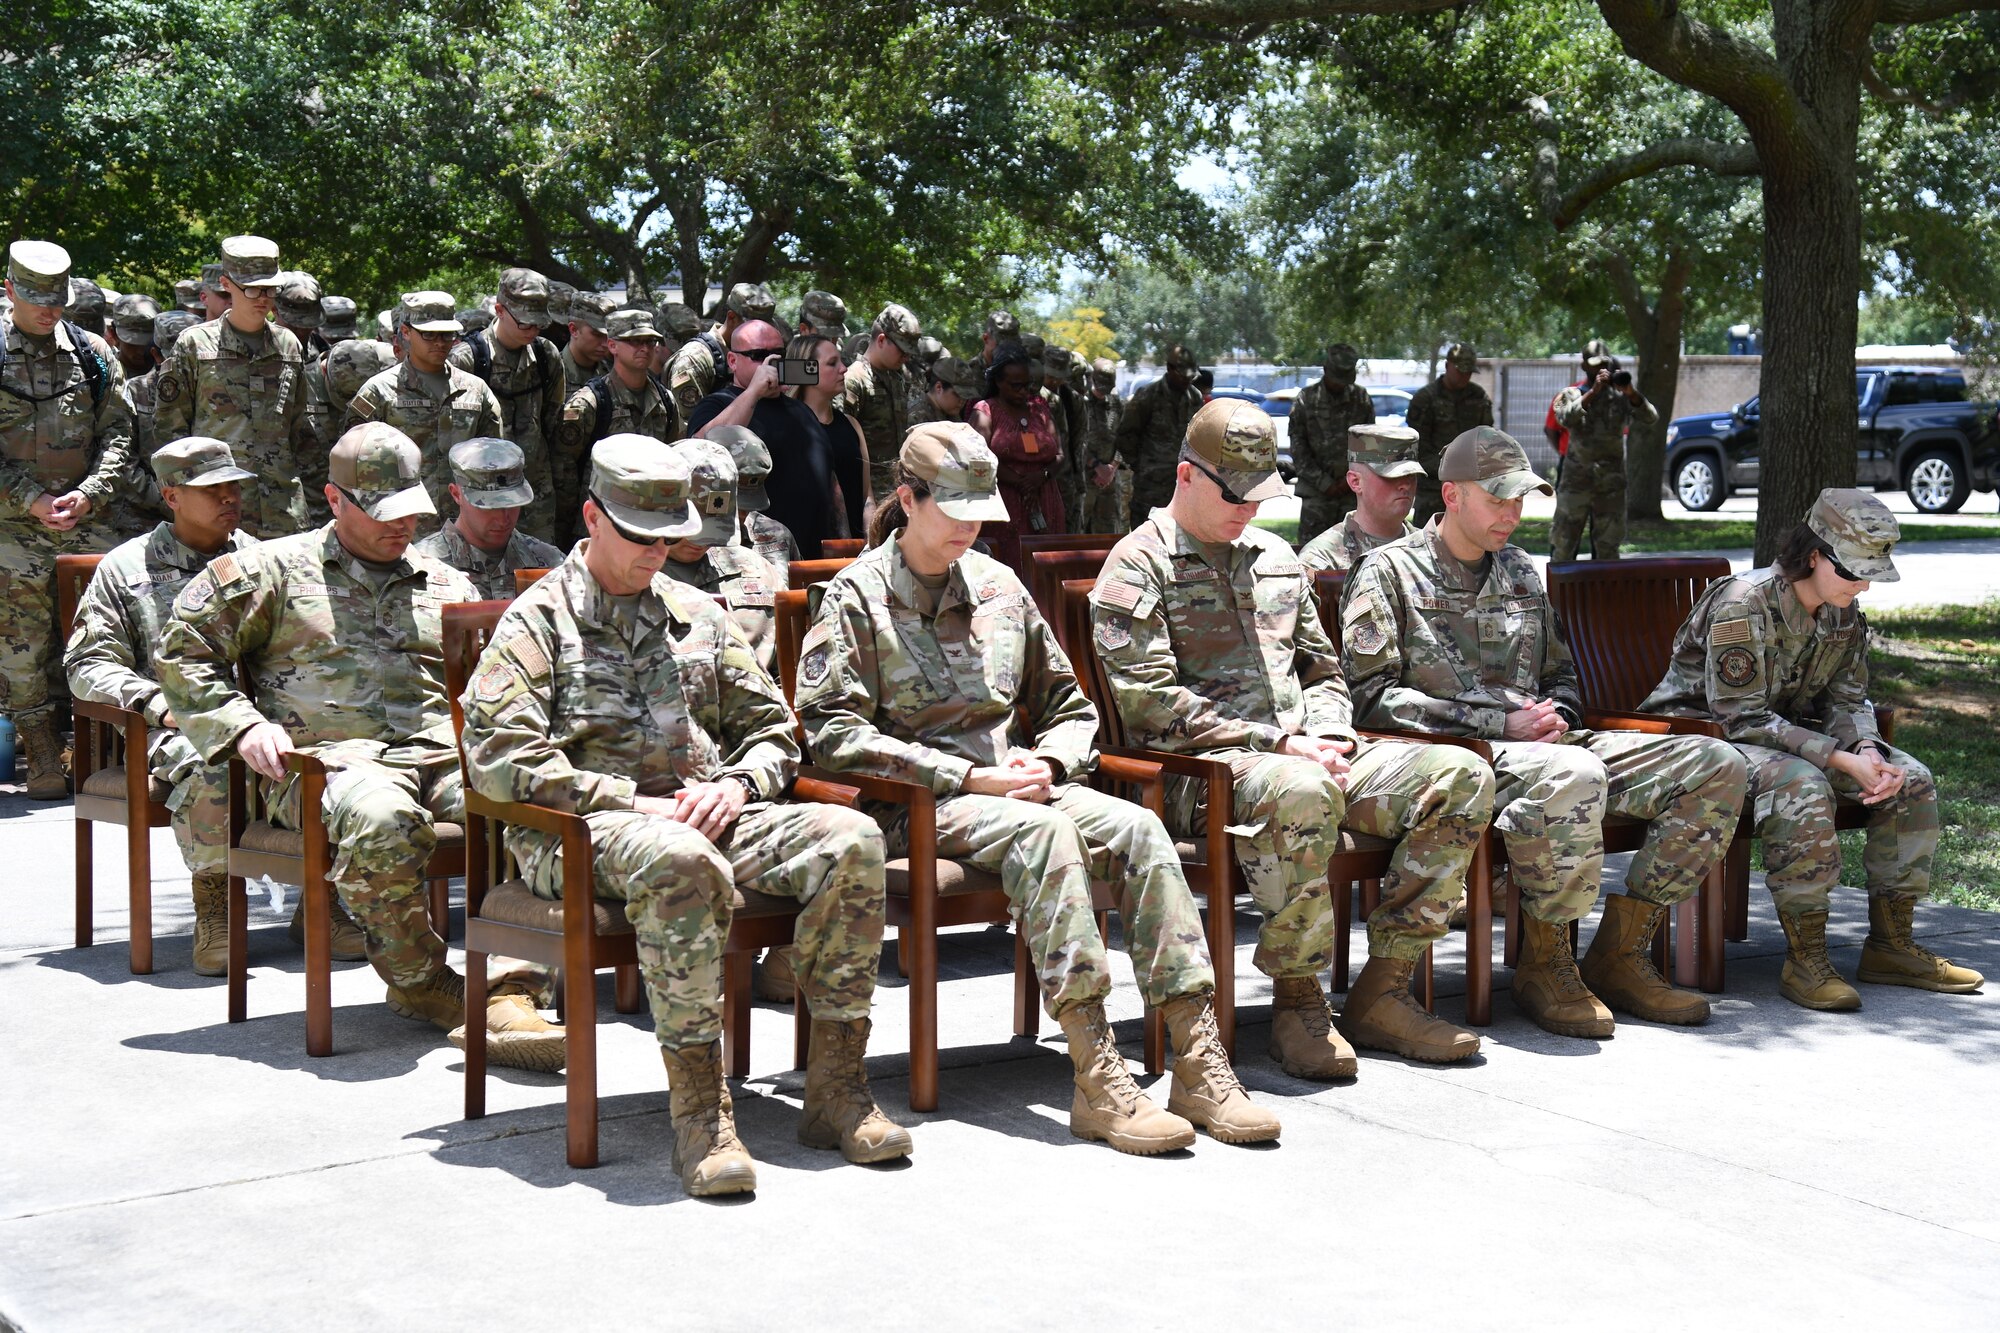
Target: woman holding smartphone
[(844, 439)]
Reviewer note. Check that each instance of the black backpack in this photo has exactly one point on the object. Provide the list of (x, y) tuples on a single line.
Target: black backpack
[(482, 366), (95, 371)]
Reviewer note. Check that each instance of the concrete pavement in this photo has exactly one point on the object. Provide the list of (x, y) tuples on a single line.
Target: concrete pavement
[(164, 1169)]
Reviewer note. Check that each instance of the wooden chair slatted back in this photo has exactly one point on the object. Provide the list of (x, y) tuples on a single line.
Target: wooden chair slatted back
[(1049, 570), (1620, 617)]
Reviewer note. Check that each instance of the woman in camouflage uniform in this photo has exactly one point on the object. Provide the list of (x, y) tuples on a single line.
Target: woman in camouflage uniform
[(929, 664)]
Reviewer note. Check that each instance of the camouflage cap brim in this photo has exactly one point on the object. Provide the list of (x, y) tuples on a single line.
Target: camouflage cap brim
[(970, 506), (718, 527), (1255, 487), (527, 315), (386, 507), (1405, 467), (1513, 485), (498, 497), (217, 476), (652, 522), (751, 497), (48, 294), (1877, 568)]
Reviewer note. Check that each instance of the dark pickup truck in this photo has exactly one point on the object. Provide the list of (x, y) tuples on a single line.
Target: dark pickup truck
[(1920, 432)]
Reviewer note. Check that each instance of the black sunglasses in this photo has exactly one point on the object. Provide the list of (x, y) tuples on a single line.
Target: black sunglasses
[(757, 353), (624, 531), (1228, 496), (1843, 571)]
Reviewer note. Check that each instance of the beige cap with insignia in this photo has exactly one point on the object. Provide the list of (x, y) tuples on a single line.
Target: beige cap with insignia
[(643, 487), (197, 460), (712, 489), (1861, 531), (39, 271), (961, 472), (1236, 444)]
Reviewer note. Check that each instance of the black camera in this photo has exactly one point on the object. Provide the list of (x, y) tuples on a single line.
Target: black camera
[(798, 371), (1621, 379)]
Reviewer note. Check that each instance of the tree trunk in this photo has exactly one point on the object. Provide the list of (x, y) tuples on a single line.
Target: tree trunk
[(1659, 379)]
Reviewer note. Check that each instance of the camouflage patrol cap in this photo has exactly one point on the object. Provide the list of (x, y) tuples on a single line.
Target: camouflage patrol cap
[(929, 350), (187, 295), (299, 301), (592, 309), (855, 347), (1057, 361), (679, 319), (1341, 359), (1462, 357), (338, 315), (825, 312), (524, 294), (491, 473), (385, 324), (1595, 347), (39, 271), (1180, 358), (962, 377), (1034, 344), (751, 300), (428, 312), (1104, 368), (1002, 325), (899, 325), (197, 460), (211, 280), (378, 467), (712, 489), (1236, 442), (352, 363), (1492, 460), (86, 301), (560, 296), (473, 319), (1387, 451), (1861, 531), (753, 464), (133, 317), (169, 325), (961, 472), (632, 324), (250, 261), (643, 487)]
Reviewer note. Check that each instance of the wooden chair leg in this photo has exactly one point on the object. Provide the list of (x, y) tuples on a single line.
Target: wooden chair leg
[(802, 1026), (1027, 991), (239, 950), (1343, 902), (319, 962), (628, 991), (1479, 934), (139, 892), (1709, 930), (1736, 921), (1426, 982), (1155, 1041), (86, 910), (441, 908), (580, 1093), (903, 954), (923, 1020), (475, 1035), (1222, 956), (736, 1013)]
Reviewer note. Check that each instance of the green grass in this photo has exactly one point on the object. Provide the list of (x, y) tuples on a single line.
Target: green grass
[(1686, 534)]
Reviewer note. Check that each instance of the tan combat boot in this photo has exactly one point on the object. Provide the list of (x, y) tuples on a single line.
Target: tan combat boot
[(1381, 1015), (1206, 1091), (211, 923), (1546, 985), (776, 979), (1619, 966), (840, 1112), (707, 1152), (349, 944), (516, 1035), (41, 755), (1890, 957), (1809, 978), (1303, 1041), (1108, 1104)]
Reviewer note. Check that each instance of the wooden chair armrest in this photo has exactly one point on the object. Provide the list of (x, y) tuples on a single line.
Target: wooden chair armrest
[(1125, 768), (522, 814), (1656, 724), (825, 790), (1885, 722), (873, 788), (109, 714), (305, 765), (1179, 765), (1477, 744)]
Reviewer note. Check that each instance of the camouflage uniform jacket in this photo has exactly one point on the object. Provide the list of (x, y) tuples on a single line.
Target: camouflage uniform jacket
[(771, 539), (888, 690), (322, 428), (492, 575), (528, 382), (250, 391), (1597, 425), (1319, 423), (1154, 423), (467, 411), (122, 615), (583, 701), (692, 374), (1098, 429), (1431, 645), (1438, 416), (331, 657), (1202, 658), (880, 401), (644, 412), (1342, 545), (747, 584), (142, 487), (923, 411), (1752, 659), (575, 373), (65, 441)]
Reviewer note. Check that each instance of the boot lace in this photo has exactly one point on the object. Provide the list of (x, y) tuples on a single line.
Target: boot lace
[(1562, 962), (1812, 952), (1112, 1072), (1205, 1045)]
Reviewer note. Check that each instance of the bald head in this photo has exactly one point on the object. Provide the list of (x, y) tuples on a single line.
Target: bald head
[(753, 342)]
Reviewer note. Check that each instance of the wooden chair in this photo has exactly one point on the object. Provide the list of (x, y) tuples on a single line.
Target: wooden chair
[(113, 779), (1049, 570), (525, 579), (1208, 860), (805, 573), (1031, 542), (582, 934), (842, 548), (927, 893)]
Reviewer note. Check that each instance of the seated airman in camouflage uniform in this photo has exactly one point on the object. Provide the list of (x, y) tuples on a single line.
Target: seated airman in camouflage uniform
[(1213, 646), (1450, 630), (119, 621), (340, 632), (1381, 484), (757, 530), (1322, 419), (490, 486), (1779, 657), (928, 663), (611, 692), (707, 562)]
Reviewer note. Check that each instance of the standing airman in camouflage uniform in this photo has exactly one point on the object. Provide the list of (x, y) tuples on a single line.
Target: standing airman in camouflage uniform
[(525, 372), (1439, 413), (584, 357), (427, 398), (618, 695), (929, 664), (929, 352), (214, 295), (1212, 645), (1596, 415), (297, 309), (1325, 411), (140, 354), (823, 313), (1107, 479), (87, 306), (1382, 476), (1779, 657), (677, 323), (954, 386), (187, 296), (697, 368), (624, 399), (1450, 630), (337, 319), (340, 632), (708, 562), (1001, 328), (130, 334), (1151, 428), (1067, 411), (878, 395), (757, 529), (65, 462), (490, 486), (238, 378)]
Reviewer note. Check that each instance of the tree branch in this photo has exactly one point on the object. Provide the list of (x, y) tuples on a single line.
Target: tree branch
[(1976, 89), (1926, 11), (1738, 73), (1226, 12), (1723, 159)]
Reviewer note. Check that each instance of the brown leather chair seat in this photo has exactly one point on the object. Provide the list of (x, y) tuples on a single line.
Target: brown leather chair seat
[(110, 784)]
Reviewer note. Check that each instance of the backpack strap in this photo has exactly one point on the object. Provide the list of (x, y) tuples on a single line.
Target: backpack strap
[(95, 372)]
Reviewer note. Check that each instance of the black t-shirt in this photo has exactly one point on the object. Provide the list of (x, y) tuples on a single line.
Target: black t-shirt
[(843, 439), (801, 480)]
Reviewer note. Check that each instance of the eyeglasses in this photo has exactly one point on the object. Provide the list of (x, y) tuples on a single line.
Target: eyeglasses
[(431, 335), (624, 531), (757, 353), (1228, 496)]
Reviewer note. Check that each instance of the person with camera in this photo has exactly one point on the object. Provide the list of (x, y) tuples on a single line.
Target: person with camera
[(1596, 415)]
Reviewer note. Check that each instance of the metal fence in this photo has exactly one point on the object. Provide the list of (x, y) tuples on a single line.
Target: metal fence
[(1522, 405)]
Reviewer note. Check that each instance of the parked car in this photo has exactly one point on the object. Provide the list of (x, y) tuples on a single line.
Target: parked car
[(1919, 431), (1391, 405)]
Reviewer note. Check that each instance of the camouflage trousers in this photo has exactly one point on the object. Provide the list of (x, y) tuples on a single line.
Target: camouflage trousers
[(1593, 489), (1152, 485), (381, 808), (1433, 800), (680, 889), (199, 799), (1317, 513), (1792, 806), (31, 668), (1108, 509), (1047, 856), (1553, 799)]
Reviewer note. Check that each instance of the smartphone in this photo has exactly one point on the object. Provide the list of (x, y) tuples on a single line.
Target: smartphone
[(800, 370)]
